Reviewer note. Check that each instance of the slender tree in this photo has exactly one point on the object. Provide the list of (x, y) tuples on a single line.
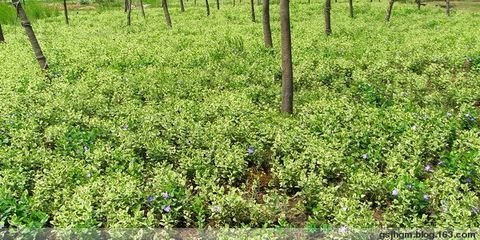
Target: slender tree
[(129, 12), (252, 9), (142, 8), (419, 3), (389, 10), (2, 38), (218, 4), (126, 5), (350, 8), (65, 11), (448, 7), (287, 68), (182, 6), (328, 26), (42, 60), (168, 20), (267, 32), (208, 7)]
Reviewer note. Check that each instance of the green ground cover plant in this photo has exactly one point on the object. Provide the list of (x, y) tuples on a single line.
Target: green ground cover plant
[(145, 126)]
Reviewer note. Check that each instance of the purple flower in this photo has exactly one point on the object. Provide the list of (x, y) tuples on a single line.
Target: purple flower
[(151, 198), (165, 195), (428, 168), (365, 156), (167, 209), (475, 211), (250, 150), (395, 192), (343, 229), (426, 197)]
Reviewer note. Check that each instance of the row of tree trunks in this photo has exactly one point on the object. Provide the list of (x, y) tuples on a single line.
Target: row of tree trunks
[(168, 20), (287, 68), (2, 38), (65, 11), (42, 60), (208, 7), (267, 32), (129, 12), (252, 9)]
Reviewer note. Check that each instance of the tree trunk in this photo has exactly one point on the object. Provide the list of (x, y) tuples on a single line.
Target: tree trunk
[(65, 11), (419, 3), (2, 39), (448, 7), (142, 9), (168, 20), (129, 12), (267, 32), (287, 68), (389, 10), (350, 8), (328, 26), (195, 2), (182, 6), (126, 6), (218, 4), (234, 3), (208, 7), (42, 60), (252, 9)]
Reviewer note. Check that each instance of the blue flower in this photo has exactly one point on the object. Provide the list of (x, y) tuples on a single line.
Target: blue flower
[(165, 195), (428, 168), (167, 208), (468, 180), (151, 198), (395, 192), (250, 150)]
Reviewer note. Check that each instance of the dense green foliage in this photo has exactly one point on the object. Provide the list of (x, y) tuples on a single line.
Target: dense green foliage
[(148, 126)]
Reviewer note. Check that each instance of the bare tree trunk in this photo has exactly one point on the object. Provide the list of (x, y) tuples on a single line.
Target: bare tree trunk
[(208, 7), (142, 9), (126, 5), (182, 6), (129, 13), (328, 26), (218, 4), (65, 11), (287, 68), (252, 9), (419, 3), (350, 7), (389, 10), (2, 38), (168, 20), (267, 32), (448, 7), (42, 60)]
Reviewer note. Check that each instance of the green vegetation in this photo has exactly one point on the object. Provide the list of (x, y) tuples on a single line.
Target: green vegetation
[(146, 126)]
